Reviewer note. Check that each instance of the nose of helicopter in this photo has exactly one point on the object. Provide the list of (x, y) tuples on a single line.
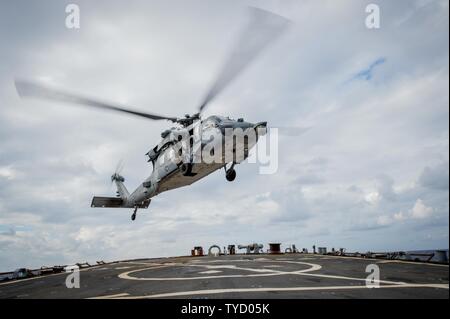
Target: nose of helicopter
[(260, 128), (260, 125)]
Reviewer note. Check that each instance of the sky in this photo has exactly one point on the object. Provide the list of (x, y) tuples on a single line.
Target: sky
[(370, 174)]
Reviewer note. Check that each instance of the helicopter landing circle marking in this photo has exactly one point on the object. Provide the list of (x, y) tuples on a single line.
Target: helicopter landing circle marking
[(259, 272)]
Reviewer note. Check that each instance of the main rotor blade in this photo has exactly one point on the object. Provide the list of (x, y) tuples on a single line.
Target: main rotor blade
[(27, 89), (263, 28), (292, 131)]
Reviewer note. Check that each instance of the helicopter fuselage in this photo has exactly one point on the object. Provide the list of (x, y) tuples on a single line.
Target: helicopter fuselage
[(167, 165)]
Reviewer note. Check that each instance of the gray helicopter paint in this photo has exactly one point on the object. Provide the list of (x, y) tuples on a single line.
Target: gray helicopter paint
[(121, 189)]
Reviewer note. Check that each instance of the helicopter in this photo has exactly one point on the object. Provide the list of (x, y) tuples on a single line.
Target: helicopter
[(175, 159)]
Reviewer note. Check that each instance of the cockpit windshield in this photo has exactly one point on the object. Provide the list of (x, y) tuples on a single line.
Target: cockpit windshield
[(215, 121), (209, 123), (218, 119)]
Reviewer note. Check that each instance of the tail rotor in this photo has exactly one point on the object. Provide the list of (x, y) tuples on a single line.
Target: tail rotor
[(116, 176)]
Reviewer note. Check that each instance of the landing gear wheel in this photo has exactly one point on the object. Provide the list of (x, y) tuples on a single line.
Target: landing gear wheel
[(230, 175), (133, 216)]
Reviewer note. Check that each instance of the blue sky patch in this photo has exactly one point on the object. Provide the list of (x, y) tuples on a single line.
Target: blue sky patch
[(367, 73)]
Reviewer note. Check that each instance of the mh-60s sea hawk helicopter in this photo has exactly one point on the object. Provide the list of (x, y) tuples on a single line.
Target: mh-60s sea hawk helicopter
[(175, 161)]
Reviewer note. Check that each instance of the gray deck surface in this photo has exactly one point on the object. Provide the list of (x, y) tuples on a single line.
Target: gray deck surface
[(241, 276)]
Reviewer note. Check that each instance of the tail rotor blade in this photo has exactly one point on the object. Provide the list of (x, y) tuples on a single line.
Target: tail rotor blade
[(119, 167), (118, 170)]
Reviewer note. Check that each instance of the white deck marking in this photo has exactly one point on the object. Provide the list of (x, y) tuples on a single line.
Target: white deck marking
[(243, 290), (353, 278), (110, 296), (210, 272), (125, 275), (260, 272)]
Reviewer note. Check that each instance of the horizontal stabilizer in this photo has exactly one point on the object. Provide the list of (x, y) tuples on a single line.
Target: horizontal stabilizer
[(98, 201)]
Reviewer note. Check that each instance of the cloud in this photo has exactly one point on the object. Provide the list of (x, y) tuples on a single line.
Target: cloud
[(309, 178), (400, 216), (373, 198), (385, 186), (420, 210), (436, 178), (7, 231), (384, 220), (8, 172)]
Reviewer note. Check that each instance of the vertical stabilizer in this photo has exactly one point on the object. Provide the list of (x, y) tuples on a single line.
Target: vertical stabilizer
[(122, 191)]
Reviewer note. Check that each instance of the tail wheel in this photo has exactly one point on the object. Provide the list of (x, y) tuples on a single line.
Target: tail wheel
[(186, 169)]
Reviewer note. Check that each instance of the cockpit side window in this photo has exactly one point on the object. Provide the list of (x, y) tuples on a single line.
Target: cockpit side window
[(209, 124)]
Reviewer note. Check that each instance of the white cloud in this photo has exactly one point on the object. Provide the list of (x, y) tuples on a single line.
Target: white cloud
[(8, 172), (384, 220), (373, 198), (85, 234), (420, 210), (400, 216)]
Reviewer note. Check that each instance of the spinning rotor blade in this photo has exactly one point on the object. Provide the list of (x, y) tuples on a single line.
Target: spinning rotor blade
[(28, 89), (293, 131), (119, 167), (263, 28)]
